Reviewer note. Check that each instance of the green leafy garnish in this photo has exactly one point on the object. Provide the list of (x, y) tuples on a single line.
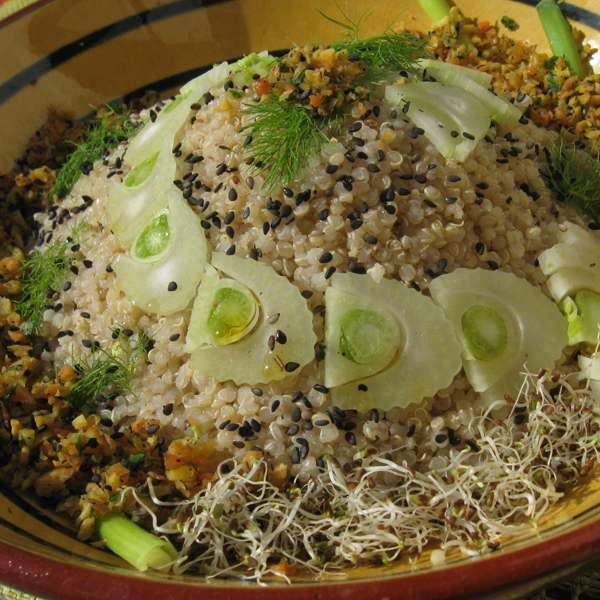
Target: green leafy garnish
[(111, 127), (553, 86), (384, 55), (509, 23), (550, 63), (284, 136), (574, 176), (106, 368), (43, 272)]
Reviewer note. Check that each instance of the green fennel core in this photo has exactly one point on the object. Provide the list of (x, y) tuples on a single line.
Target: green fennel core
[(230, 314), (154, 238), (485, 332), (364, 336)]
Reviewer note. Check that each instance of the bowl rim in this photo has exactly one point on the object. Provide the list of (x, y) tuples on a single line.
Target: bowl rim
[(548, 559)]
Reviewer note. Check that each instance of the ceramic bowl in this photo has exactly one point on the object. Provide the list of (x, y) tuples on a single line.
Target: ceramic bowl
[(77, 54)]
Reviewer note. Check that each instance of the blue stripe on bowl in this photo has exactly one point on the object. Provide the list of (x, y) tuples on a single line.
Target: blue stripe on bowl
[(60, 56)]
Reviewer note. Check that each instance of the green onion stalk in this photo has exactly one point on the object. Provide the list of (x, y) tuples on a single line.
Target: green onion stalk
[(439, 9), (560, 37), (132, 543)]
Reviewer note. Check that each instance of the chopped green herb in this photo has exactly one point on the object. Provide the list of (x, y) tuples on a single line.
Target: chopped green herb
[(553, 87), (574, 176), (133, 461), (111, 127), (550, 63), (284, 135), (509, 23), (43, 271), (384, 55), (106, 368)]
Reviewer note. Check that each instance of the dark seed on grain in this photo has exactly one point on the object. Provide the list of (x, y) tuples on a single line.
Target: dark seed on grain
[(293, 429), (280, 337), (74, 270), (420, 179), (430, 203), (325, 257), (296, 415), (290, 367), (304, 450), (322, 422), (127, 332), (205, 224), (233, 195), (440, 438), (453, 178), (493, 265), (519, 419), (483, 185), (502, 161), (329, 272), (373, 168), (350, 438), (480, 248), (296, 455), (297, 396), (246, 213), (331, 169), (468, 136), (474, 447), (319, 309), (86, 343), (172, 286), (238, 444), (411, 430), (250, 438), (256, 426), (85, 315), (253, 254), (274, 318), (450, 199), (152, 429), (229, 217), (454, 134), (232, 426), (168, 409), (371, 239), (521, 97), (106, 422), (306, 294), (275, 405), (275, 222), (321, 388), (271, 342)]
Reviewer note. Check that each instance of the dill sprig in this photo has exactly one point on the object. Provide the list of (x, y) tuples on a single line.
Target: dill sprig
[(574, 176), (105, 369), (111, 126), (43, 273), (383, 55), (285, 136)]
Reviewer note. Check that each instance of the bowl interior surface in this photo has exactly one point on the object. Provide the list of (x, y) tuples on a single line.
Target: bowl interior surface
[(78, 54)]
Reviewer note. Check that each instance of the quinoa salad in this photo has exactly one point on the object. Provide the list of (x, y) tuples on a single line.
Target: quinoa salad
[(319, 351)]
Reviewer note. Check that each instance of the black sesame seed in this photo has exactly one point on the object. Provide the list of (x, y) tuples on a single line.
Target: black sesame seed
[(411, 430), (329, 272), (519, 419), (322, 422), (106, 422), (296, 396), (480, 248), (373, 168), (290, 367), (454, 134), (231, 250), (321, 388), (493, 265), (296, 455), (233, 195), (256, 426), (440, 438), (275, 405), (306, 294), (280, 337), (325, 257), (152, 429), (232, 426), (420, 179), (172, 286), (474, 447), (168, 409), (293, 429), (453, 178), (350, 438), (85, 315), (468, 136), (371, 239), (296, 415), (127, 332), (430, 203)]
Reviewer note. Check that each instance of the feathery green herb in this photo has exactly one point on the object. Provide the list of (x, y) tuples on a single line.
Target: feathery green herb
[(111, 127), (384, 55), (43, 274), (106, 369), (574, 176), (284, 136)]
